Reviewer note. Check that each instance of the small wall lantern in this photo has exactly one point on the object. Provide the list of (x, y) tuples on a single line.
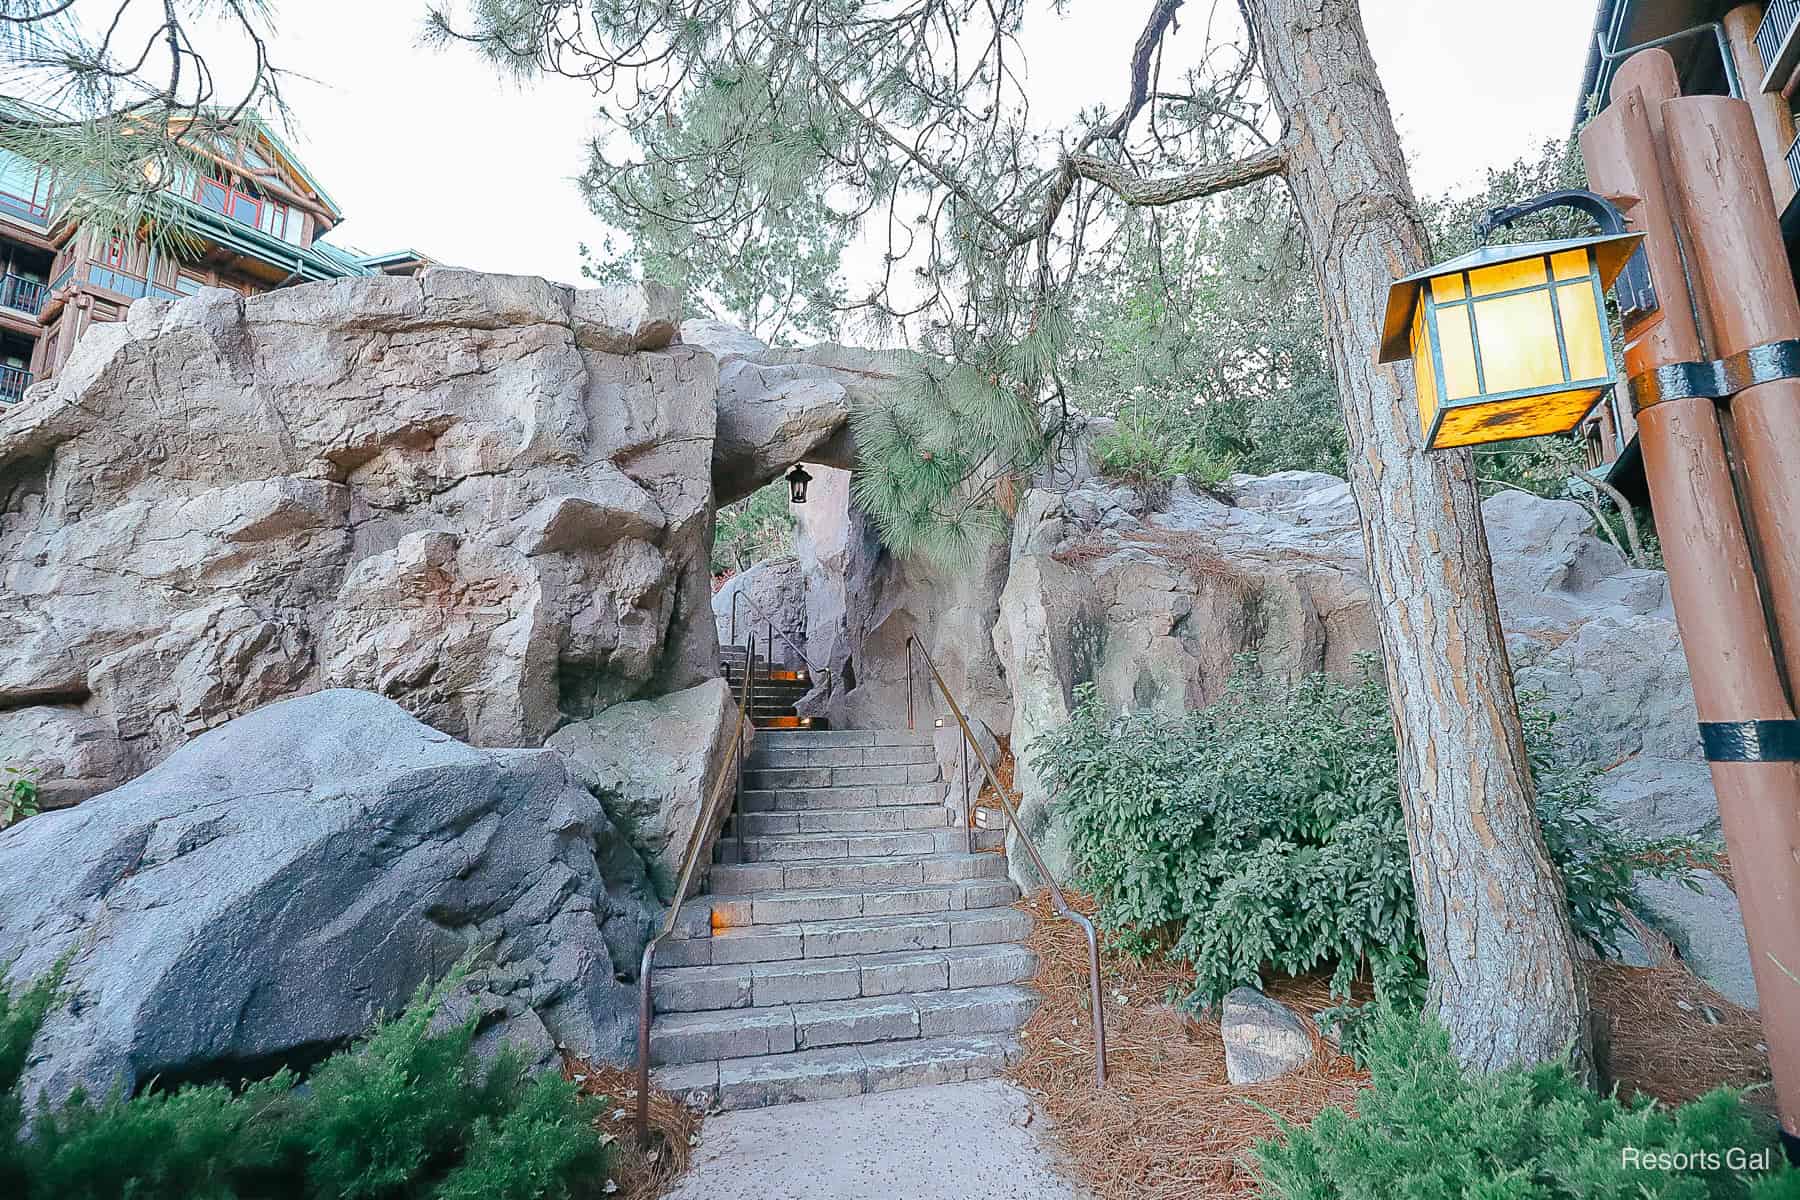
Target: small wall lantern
[(1512, 341), (797, 481)]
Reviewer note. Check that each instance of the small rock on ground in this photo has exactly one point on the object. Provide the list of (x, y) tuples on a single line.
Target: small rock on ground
[(1264, 1039), (956, 1141)]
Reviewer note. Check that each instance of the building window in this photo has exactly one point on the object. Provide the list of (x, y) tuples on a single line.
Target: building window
[(233, 202)]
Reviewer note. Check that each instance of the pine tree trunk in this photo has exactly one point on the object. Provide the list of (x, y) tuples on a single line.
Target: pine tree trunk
[(1504, 975)]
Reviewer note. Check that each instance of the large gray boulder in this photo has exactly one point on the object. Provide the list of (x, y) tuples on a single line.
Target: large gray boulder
[(279, 882), (487, 497), (1264, 1038), (1706, 927), (652, 763), (778, 407)]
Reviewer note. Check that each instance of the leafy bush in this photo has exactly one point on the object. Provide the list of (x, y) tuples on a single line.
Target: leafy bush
[(1146, 453), (18, 795), (757, 527), (1427, 1128), (408, 1113), (1267, 832)]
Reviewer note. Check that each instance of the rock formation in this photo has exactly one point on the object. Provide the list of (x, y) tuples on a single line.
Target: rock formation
[(277, 883), (768, 600), (652, 763), (485, 497)]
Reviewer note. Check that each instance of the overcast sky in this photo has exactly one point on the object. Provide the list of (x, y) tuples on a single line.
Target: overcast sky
[(430, 150)]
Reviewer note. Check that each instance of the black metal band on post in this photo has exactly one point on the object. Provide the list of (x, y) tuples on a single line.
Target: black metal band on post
[(1750, 741), (1718, 380)]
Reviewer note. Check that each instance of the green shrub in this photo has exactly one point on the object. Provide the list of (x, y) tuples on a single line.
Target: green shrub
[(1266, 832), (407, 1113), (18, 795), (1152, 453), (1427, 1129)]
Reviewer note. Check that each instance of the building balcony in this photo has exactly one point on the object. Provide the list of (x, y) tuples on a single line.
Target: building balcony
[(22, 294), (117, 280), (1778, 46), (32, 212), (13, 382)]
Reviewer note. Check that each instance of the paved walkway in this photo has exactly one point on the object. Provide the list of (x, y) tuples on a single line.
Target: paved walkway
[(956, 1141)]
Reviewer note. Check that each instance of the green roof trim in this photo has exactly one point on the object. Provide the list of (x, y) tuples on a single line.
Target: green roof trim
[(320, 261)]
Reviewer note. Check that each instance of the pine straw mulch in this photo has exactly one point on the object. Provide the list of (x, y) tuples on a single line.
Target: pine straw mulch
[(641, 1173), (1170, 1126), (1667, 1034)]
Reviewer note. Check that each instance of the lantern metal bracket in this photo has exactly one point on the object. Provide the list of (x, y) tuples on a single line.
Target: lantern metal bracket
[(1634, 290), (1718, 380)]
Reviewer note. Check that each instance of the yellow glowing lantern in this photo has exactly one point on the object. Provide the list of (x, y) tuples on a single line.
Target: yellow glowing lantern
[(1508, 341)]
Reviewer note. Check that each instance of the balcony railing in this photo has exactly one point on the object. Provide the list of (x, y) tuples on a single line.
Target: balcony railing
[(1775, 43), (125, 283), (1793, 164), (25, 295), (13, 382), (26, 209)]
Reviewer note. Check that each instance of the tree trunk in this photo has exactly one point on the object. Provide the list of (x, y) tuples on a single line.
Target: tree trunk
[(1505, 979)]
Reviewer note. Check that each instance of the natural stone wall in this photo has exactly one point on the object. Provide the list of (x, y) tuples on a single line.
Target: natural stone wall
[(769, 596), (486, 497), (1154, 608)]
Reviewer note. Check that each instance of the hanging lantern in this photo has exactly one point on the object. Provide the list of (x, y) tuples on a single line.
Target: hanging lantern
[(797, 481), (1511, 341)]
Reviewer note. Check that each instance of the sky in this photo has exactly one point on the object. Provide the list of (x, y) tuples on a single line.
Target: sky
[(429, 149)]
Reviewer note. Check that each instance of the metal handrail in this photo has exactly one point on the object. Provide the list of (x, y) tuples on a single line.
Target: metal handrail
[(732, 768), (824, 674), (1057, 901)]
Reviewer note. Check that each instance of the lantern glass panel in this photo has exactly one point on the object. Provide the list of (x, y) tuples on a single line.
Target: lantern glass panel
[(1508, 277), (1571, 264), (1456, 346), (1519, 345), (1584, 330), (1448, 288), (1424, 369)]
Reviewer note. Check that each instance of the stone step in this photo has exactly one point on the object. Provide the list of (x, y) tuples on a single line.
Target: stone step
[(846, 776), (839, 1071), (885, 818), (849, 737), (791, 757), (872, 795), (691, 1037), (752, 878), (811, 980), (829, 904), (836, 938), (988, 839), (793, 846)]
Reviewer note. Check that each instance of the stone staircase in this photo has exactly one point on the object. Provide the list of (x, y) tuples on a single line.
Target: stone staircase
[(852, 944), (775, 690)]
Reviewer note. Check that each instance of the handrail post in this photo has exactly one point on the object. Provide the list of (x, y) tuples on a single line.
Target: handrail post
[(744, 708), (968, 810)]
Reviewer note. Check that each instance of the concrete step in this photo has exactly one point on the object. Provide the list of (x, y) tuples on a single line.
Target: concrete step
[(811, 980), (836, 938), (989, 839), (849, 737), (869, 795), (830, 904), (791, 757), (845, 776), (886, 818), (839, 1071), (751, 878), (692, 1037), (794, 846)]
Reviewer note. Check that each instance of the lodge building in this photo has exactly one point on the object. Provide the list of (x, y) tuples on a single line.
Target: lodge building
[(257, 218), (1720, 47)]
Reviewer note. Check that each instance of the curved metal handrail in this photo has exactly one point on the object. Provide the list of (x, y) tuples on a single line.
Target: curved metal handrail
[(1057, 900), (731, 768), (799, 651)]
